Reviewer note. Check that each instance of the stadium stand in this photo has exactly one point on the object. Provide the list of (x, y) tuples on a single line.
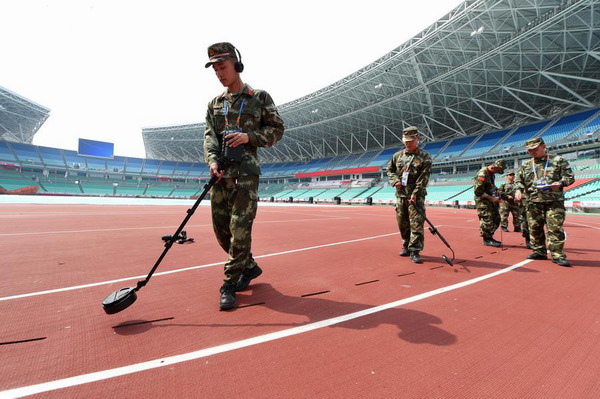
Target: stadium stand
[(485, 143), (383, 157), (434, 148), (350, 129), (515, 141), (455, 148), (566, 125)]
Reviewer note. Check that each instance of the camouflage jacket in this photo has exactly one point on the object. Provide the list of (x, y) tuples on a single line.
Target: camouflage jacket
[(558, 170), (484, 184), (419, 170), (259, 119), (508, 189)]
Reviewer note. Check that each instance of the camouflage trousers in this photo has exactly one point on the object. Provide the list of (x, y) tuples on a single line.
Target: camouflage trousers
[(506, 209), (524, 223), (489, 218), (233, 205), (410, 223), (551, 214)]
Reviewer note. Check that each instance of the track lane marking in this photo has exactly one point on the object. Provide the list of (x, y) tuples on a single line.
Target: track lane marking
[(160, 227), (76, 287), (202, 353), (585, 225)]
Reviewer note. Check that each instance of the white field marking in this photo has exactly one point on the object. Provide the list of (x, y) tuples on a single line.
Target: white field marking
[(456, 227), (76, 287), (156, 227), (28, 213), (215, 350), (586, 225), (96, 230), (290, 213), (390, 215)]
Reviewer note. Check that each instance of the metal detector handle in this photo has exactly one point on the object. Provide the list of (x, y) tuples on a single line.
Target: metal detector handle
[(433, 229), (436, 231), (174, 237)]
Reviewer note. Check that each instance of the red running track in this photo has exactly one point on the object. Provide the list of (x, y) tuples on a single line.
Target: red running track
[(492, 326)]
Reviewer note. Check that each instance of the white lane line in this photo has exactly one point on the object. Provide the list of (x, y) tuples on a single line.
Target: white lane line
[(215, 350), (456, 227), (155, 227), (586, 225), (77, 287)]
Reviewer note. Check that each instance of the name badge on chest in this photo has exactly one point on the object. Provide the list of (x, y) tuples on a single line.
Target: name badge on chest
[(405, 178)]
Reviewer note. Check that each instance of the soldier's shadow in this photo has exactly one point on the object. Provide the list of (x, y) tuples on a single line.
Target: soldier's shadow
[(414, 326)]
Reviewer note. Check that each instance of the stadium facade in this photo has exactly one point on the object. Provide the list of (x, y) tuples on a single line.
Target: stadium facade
[(479, 82), (20, 118), (485, 66)]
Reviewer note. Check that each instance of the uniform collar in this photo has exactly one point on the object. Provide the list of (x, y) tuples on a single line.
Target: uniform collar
[(416, 152), (543, 158), (247, 90)]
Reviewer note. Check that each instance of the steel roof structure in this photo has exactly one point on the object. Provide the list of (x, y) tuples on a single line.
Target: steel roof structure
[(486, 65), (20, 118)]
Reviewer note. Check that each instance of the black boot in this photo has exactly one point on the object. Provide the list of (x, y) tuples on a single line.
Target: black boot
[(537, 256), (505, 229), (247, 276), (404, 252), (527, 243), (490, 242), (415, 257), (227, 300), (561, 262), (517, 229)]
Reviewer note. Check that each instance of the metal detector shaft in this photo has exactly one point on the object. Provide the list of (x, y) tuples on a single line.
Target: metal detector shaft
[(175, 236), (457, 194), (433, 229)]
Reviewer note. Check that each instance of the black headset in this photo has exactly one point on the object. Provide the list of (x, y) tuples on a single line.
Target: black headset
[(239, 66)]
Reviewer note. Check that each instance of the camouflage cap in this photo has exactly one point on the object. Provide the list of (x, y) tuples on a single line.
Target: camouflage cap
[(534, 143), (500, 164), (220, 52), (410, 133), (511, 172)]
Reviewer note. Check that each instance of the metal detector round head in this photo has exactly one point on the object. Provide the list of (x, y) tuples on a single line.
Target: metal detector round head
[(119, 300), (448, 261)]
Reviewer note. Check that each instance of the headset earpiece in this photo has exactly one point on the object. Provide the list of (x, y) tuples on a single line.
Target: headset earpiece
[(239, 66)]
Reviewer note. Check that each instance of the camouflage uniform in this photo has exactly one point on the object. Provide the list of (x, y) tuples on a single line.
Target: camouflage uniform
[(234, 198), (487, 211), (524, 223), (545, 207), (509, 206), (410, 222)]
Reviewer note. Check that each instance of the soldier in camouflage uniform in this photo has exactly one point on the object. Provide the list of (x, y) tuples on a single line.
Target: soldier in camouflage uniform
[(542, 180), (245, 119), (524, 223), (508, 204), (487, 202), (409, 172)]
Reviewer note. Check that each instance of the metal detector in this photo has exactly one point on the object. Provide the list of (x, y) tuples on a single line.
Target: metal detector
[(125, 297), (435, 231)]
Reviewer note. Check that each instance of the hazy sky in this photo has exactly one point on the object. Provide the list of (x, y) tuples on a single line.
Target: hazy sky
[(108, 68)]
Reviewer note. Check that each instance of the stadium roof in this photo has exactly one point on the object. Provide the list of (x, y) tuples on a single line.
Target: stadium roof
[(484, 66), (20, 118)]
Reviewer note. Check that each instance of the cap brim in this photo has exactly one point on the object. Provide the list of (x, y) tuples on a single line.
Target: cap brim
[(408, 139), (214, 60), (533, 146)]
